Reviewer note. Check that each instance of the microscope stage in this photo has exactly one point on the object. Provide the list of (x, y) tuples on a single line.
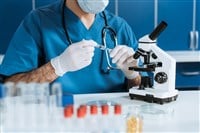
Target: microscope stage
[(153, 95)]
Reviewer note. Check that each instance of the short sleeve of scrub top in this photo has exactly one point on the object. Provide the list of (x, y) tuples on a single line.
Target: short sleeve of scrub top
[(41, 37)]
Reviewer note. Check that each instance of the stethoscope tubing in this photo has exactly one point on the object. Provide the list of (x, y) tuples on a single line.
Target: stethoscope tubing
[(103, 47)]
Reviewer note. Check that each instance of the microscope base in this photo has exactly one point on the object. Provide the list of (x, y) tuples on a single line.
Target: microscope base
[(153, 97)]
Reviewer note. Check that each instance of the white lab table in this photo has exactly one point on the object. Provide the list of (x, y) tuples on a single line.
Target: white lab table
[(182, 115)]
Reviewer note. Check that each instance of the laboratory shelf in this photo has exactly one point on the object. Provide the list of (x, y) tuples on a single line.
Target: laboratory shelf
[(187, 68), (185, 56)]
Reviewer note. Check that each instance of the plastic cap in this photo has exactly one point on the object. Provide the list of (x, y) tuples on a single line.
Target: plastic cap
[(93, 109), (117, 109), (2, 91), (84, 107), (104, 109), (68, 111), (67, 99), (81, 112)]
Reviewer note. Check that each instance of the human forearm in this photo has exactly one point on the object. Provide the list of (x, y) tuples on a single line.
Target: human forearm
[(134, 82), (45, 73)]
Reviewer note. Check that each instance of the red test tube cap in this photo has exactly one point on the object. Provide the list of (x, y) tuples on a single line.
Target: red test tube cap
[(117, 109), (84, 107), (81, 112), (104, 109), (68, 111), (93, 109)]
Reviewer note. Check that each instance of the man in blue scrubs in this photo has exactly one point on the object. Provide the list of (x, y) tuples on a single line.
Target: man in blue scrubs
[(57, 43)]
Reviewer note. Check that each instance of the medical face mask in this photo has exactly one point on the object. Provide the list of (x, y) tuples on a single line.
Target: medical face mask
[(93, 6)]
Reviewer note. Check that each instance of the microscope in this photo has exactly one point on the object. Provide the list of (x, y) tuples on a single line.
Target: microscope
[(159, 85)]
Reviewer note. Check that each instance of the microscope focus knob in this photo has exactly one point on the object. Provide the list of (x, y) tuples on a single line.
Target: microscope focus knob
[(161, 77), (136, 55), (154, 56)]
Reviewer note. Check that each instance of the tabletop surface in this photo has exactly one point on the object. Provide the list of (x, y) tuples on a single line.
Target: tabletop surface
[(181, 115)]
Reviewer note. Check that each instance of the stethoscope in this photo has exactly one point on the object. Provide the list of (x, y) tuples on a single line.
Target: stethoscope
[(104, 31)]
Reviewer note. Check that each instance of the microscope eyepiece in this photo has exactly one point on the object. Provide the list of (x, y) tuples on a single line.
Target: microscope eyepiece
[(156, 32)]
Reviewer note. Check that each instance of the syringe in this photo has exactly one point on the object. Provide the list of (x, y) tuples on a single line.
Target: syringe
[(102, 47)]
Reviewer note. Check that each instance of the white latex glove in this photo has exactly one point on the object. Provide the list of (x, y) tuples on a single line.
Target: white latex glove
[(75, 57), (122, 56)]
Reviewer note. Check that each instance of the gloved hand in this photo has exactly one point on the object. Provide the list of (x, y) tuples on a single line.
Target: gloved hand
[(75, 57), (122, 56)]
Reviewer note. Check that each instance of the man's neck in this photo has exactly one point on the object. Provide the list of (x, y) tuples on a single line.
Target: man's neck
[(86, 18)]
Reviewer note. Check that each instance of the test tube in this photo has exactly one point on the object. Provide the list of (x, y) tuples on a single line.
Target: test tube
[(55, 107), (27, 92), (2, 106), (42, 104), (10, 89), (27, 108), (102, 47), (10, 101), (42, 93), (57, 91)]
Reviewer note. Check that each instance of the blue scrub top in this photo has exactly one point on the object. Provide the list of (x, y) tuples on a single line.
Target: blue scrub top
[(40, 37)]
